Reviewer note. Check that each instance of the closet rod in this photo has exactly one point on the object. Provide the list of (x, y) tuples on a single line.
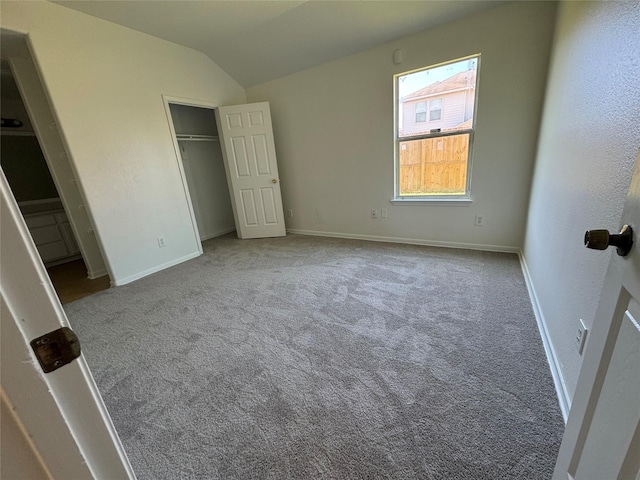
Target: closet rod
[(197, 138)]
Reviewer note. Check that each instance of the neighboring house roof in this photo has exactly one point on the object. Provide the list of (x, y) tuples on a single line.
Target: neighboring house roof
[(458, 81), (467, 124)]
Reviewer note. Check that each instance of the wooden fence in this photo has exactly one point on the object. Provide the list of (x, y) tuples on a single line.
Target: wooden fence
[(434, 165)]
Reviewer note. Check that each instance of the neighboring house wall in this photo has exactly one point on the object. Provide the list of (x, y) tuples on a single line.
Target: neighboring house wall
[(585, 158), (333, 126), (452, 115), (105, 83)]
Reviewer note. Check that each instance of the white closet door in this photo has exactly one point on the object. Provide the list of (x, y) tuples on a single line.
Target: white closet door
[(252, 170)]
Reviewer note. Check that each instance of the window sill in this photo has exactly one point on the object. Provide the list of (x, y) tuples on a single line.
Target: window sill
[(460, 202)]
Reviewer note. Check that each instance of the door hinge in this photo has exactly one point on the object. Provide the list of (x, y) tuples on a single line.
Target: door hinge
[(56, 349)]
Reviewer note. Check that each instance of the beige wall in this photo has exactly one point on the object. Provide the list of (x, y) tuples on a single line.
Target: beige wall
[(105, 84), (333, 127), (588, 145)]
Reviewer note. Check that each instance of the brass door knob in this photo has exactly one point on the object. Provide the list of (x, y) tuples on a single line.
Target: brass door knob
[(274, 181), (602, 239)]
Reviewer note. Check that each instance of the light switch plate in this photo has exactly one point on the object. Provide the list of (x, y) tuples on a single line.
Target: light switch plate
[(581, 337)]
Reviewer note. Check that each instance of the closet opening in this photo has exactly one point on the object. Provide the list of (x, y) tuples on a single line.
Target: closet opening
[(202, 167)]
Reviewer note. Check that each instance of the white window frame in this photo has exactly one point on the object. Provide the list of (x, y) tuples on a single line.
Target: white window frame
[(431, 109), (433, 199), (424, 112)]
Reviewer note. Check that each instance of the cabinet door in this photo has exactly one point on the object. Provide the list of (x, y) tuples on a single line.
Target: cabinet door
[(40, 220), (52, 251), (47, 236), (69, 239), (54, 239)]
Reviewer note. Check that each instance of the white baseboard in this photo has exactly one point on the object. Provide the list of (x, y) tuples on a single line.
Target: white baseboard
[(410, 241), (123, 281), (554, 365), (92, 275), (218, 233)]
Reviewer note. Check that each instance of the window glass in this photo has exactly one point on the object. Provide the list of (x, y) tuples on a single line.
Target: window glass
[(421, 112), (435, 109), (434, 129)]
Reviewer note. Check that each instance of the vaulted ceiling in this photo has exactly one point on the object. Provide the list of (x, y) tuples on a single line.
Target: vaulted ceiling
[(257, 41)]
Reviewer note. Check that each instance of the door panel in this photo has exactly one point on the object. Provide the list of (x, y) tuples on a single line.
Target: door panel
[(252, 169), (261, 153), (234, 120), (240, 158), (269, 205), (617, 407), (256, 118), (249, 208)]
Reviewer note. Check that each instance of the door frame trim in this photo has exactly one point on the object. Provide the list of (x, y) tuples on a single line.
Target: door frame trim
[(166, 100), (53, 144)]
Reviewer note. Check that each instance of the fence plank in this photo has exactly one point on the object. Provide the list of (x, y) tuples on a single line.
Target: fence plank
[(434, 165)]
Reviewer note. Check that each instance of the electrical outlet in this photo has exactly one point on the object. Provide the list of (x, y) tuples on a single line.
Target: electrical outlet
[(161, 242), (479, 220), (383, 213), (290, 213), (374, 213), (581, 337)]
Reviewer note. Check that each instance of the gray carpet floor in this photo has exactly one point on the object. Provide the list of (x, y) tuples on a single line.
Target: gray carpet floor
[(318, 358)]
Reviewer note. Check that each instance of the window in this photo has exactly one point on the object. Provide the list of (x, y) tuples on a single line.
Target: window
[(421, 112), (435, 121), (435, 109)]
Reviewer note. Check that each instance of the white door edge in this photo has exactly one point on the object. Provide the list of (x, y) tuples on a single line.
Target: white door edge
[(166, 100), (68, 396)]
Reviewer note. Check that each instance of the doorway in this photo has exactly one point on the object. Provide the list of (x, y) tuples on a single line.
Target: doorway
[(202, 167), (244, 154), (42, 180)]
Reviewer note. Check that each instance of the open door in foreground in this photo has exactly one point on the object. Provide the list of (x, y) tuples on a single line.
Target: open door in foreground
[(602, 437), (59, 415), (252, 171)]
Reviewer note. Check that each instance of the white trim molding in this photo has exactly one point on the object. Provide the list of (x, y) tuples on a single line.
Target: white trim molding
[(409, 241), (440, 201), (123, 281), (564, 399), (93, 274), (218, 233)]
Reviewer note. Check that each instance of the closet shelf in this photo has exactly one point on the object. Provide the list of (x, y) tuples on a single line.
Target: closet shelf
[(196, 138), (14, 133)]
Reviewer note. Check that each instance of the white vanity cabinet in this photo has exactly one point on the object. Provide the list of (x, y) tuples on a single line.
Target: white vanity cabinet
[(52, 235)]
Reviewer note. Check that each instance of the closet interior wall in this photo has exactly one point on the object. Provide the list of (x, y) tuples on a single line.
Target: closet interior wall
[(197, 135)]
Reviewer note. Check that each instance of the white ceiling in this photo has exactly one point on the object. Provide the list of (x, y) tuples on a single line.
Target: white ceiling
[(257, 41)]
